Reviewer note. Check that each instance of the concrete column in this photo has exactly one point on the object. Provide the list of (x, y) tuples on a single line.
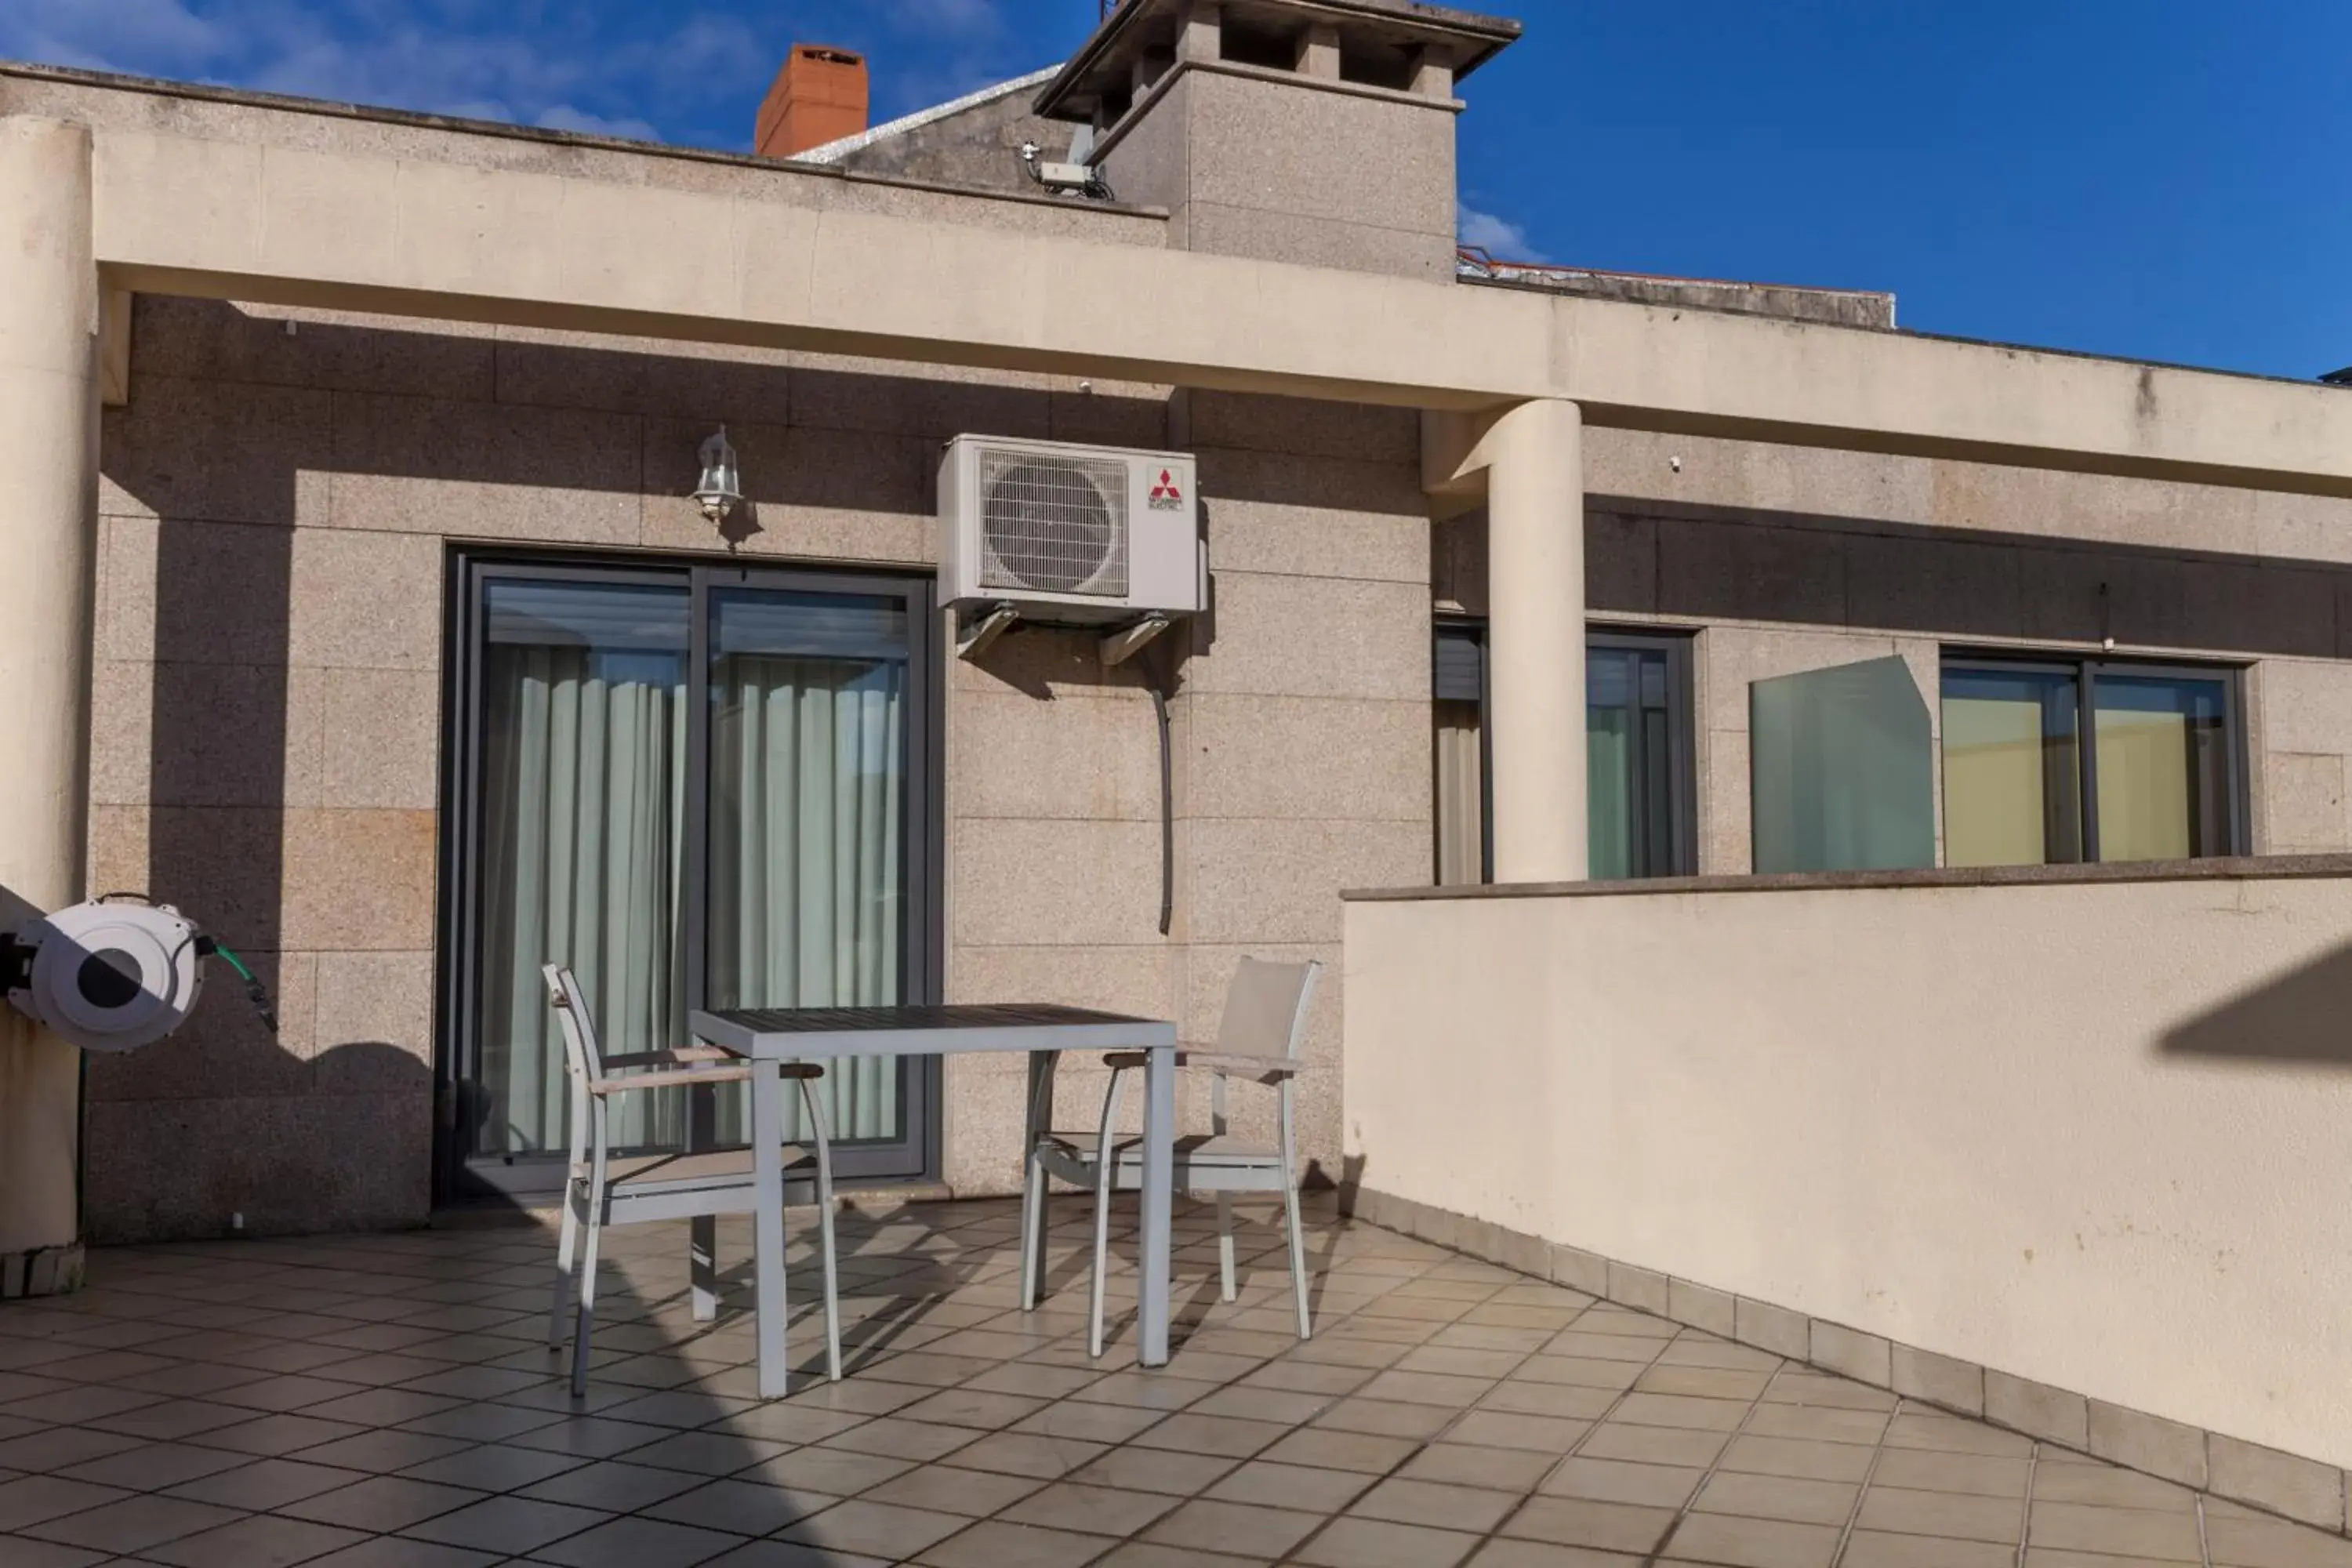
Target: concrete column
[(1433, 72), (1200, 31), (1535, 639), (1319, 52), (49, 499)]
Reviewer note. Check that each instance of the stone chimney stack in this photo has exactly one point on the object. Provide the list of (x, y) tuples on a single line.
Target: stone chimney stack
[(818, 96), (1313, 131)]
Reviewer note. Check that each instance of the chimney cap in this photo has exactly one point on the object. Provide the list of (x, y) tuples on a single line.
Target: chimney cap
[(1104, 64)]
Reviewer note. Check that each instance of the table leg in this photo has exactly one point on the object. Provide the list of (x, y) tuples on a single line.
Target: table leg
[(1158, 1205), (768, 1226), (1036, 1121)]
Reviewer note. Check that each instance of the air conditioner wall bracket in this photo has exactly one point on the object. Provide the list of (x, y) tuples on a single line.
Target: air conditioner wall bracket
[(1120, 646), (983, 626)]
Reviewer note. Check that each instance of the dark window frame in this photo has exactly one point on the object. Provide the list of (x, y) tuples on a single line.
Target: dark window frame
[(460, 1176), (2085, 670), (1682, 786), (1472, 630)]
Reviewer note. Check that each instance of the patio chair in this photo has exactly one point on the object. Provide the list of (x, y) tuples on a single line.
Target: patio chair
[(1257, 1041), (605, 1190)]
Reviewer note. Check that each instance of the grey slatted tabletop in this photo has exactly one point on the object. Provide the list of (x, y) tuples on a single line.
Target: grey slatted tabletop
[(923, 1029)]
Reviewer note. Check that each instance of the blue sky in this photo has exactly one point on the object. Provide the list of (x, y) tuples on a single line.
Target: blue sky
[(2140, 177)]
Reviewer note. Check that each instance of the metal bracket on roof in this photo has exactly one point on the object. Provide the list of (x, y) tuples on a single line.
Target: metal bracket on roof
[(973, 638), (1127, 641)]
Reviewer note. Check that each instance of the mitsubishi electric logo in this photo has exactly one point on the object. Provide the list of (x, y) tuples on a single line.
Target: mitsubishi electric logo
[(1167, 495)]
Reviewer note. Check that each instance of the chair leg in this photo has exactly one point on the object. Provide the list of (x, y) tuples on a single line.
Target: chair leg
[(587, 1316), (1033, 1234), (1298, 1253), (566, 1247), (1225, 1245), (702, 1265), (1103, 1187)]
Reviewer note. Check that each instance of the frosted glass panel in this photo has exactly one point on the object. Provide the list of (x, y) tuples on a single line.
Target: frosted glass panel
[(2162, 761), (1843, 776), (2011, 770)]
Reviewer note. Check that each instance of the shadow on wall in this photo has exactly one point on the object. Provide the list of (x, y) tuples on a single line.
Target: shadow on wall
[(2302, 1016), (225, 1122), (236, 432)]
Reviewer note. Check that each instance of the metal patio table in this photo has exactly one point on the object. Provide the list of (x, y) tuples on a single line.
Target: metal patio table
[(1042, 1030)]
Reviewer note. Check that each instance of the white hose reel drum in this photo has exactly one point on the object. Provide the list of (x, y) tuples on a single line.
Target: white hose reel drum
[(107, 976)]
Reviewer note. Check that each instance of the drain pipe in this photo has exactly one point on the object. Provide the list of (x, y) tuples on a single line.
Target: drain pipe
[(1167, 812)]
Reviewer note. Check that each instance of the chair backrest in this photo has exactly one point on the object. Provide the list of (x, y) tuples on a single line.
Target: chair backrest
[(581, 1057), (1265, 1008)]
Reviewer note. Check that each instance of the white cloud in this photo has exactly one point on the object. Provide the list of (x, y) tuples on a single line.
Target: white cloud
[(443, 57), (1500, 238), (710, 50), (564, 117), (109, 34)]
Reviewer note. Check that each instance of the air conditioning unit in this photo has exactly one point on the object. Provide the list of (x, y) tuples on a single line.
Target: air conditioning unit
[(1068, 535)]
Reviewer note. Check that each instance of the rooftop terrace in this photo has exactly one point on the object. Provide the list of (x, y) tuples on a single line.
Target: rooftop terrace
[(366, 1402)]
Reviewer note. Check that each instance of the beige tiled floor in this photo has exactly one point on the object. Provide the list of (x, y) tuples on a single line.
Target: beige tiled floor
[(384, 1401)]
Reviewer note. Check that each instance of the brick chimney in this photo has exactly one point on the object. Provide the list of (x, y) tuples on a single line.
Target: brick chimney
[(818, 96)]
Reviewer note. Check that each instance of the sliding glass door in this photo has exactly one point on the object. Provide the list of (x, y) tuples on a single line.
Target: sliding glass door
[(698, 787), (580, 810), (808, 825)]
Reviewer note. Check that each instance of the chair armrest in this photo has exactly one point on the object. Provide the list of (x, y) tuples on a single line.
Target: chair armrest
[(676, 1056), (1266, 1068), (671, 1078)]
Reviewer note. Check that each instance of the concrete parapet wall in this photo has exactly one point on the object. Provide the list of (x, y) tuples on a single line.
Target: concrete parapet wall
[(2060, 1125)]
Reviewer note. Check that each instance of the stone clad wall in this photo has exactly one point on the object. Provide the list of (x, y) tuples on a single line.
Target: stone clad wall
[(1788, 558), (279, 499)]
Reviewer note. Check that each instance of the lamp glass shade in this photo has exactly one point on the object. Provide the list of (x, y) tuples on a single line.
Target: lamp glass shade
[(721, 486)]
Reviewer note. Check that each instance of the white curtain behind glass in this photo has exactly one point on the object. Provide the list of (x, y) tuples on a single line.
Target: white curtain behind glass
[(807, 822), (1461, 797), (583, 784)]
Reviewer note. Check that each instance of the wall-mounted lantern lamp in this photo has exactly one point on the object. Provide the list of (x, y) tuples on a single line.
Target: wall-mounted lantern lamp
[(721, 486)]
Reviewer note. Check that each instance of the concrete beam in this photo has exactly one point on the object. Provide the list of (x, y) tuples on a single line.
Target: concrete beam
[(414, 237)]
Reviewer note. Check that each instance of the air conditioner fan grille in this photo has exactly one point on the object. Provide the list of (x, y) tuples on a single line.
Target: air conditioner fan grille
[(1052, 524)]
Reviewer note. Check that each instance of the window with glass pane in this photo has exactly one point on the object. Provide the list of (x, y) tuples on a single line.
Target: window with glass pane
[(2048, 761), (1629, 761), (1458, 753), (698, 788), (2012, 767), (581, 800), (1638, 752), (1461, 794), (2160, 755)]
